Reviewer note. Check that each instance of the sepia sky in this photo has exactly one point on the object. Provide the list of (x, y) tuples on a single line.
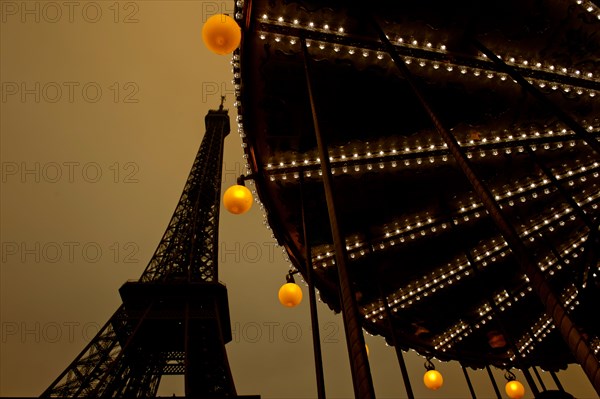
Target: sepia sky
[(102, 113)]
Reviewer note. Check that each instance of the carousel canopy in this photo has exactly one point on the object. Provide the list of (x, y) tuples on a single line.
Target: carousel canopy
[(427, 262)]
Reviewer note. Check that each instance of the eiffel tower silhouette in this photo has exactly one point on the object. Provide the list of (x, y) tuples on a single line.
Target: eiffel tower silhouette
[(175, 319)]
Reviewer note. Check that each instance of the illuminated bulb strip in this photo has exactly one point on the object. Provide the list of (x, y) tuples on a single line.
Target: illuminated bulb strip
[(324, 39), (544, 326), (568, 249), (427, 285), (503, 300), (455, 333), (420, 229), (551, 264), (595, 345), (483, 314), (400, 157), (423, 287), (589, 7), (485, 256), (536, 225)]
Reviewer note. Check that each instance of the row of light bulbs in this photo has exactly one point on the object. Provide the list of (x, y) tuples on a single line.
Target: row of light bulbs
[(322, 260), (413, 43), (503, 300), (429, 153), (567, 299), (595, 344), (398, 161), (483, 314), (589, 7), (353, 51), (466, 213), (422, 287), (544, 326)]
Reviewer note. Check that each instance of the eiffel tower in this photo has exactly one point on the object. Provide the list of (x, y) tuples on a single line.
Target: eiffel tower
[(175, 319)]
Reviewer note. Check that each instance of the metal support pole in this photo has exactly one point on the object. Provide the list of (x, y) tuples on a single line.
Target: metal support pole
[(539, 378), (464, 369), (575, 341), (314, 318), (399, 355), (359, 362), (493, 380), (530, 382), (557, 381)]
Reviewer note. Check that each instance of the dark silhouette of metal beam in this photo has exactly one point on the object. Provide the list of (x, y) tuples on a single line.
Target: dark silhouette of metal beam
[(359, 362)]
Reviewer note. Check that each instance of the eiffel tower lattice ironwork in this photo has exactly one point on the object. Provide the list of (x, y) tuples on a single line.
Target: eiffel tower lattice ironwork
[(175, 319)]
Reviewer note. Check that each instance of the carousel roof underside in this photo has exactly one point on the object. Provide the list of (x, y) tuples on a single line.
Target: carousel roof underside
[(417, 234)]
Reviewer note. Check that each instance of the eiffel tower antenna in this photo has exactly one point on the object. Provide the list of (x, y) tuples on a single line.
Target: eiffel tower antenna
[(175, 319)]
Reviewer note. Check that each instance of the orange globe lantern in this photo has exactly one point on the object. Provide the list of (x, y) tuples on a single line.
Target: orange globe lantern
[(514, 389), (237, 199), (221, 34), (290, 295), (433, 379)]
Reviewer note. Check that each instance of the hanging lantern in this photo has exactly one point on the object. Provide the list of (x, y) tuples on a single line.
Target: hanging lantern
[(432, 378), (290, 294), (514, 389), (237, 199), (367, 349), (221, 34)]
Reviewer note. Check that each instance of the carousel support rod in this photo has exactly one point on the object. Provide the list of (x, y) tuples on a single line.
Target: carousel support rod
[(530, 382), (355, 341), (493, 380), (314, 318), (466, 373), (553, 108), (539, 378), (557, 381), (575, 341), (399, 355)]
